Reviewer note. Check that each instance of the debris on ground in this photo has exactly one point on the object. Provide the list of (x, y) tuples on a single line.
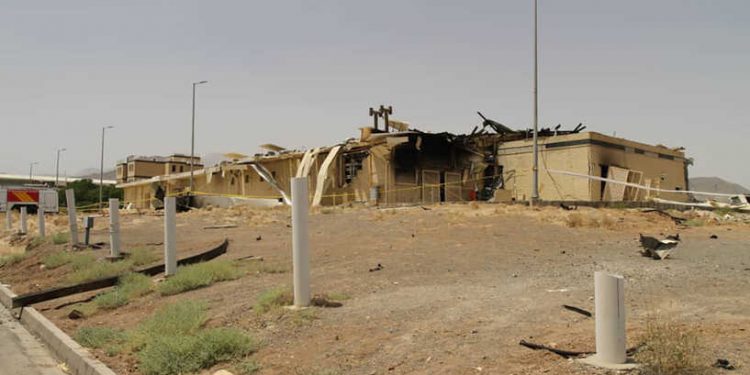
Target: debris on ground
[(258, 238), (657, 249), (578, 310), (560, 352), (320, 301), (221, 226), (714, 237), (723, 364), (75, 314), (377, 268)]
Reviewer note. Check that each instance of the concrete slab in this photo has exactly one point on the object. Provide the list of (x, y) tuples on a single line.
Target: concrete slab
[(594, 361), (22, 353)]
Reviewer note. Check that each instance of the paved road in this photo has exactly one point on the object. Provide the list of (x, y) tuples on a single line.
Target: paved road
[(22, 353)]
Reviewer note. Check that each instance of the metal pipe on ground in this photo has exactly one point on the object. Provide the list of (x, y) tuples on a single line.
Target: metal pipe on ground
[(170, 228), (70, 199), (114, 228), (23, 228), (300, 242)]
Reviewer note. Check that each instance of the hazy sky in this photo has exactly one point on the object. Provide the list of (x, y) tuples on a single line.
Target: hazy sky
[(303, 73)]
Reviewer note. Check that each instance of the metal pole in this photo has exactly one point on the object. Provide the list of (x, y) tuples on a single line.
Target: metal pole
[(101, 173), (609, 298), (70, 198), (31, 170), (192, 142), (23, 228), (300, 245), (192, 138), (535, 172), (170, 228), (57, 167), (40, 224), (114, 228)]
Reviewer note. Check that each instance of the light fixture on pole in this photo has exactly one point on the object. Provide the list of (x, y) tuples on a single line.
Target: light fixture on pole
[(31, 170), (535, 170), (192, 138), (57, 166), (101, 169)]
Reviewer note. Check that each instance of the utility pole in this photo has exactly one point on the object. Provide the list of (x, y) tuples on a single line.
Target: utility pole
[(192, 138), (57, 166), (101, 169), (31, 170), (535, 172)]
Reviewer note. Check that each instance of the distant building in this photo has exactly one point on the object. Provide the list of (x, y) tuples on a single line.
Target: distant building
[(135, 168), (406, 166)]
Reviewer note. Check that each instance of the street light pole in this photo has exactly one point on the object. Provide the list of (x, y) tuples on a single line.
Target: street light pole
[(31, 170), (535, 172), (192, 137), (57, 166), (101, 169)]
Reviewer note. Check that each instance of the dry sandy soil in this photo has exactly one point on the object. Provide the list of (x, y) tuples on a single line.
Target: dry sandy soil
[(460, 286)]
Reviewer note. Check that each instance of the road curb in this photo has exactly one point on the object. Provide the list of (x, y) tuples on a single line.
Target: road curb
[(78, 359)]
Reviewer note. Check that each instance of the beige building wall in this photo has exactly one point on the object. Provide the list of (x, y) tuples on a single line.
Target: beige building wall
[(586, 153)]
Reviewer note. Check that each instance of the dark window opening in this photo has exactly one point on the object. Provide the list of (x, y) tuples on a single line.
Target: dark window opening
[(174, 168), (247, 179), (352, 164), (603, 173)]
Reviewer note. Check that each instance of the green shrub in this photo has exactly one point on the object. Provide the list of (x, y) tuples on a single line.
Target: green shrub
[(669, 349), (247, 367), (198, 276), (76, 260), (142, 256), (99, 270), (180, 354), (99, 337), (60, 238), (11, 259), (273, 298), (36, 242), (696, 222), (130, 286), (172, 341), (81, 261)]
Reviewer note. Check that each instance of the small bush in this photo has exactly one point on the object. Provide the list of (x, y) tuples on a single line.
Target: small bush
[(11, 259), (198, 276), (180, 354), (272, 299), (36, 242), (56, 260), (668, 349), (60, 238), (172, 341), (142, 256), (130, 286), (247, 367), (98, 337), (99, 270), (81, 261)]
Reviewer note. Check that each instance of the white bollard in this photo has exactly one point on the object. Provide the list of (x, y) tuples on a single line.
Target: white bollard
[(70, 199), (300, 242), (609, 298), (40, 223), (170, 228), (8, 218), (114, 228), (23, 221)]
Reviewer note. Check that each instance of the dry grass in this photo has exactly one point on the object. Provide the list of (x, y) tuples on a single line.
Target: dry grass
[(669, 348), (591, 219)]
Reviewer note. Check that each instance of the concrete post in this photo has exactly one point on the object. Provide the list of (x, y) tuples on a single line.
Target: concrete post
[(23, 228), (609, 297), (70, 199), (8, 218), (114, 228), (300, 239), (40, 224), (170, 228)]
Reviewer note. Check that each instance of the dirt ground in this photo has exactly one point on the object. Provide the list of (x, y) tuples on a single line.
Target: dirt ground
[(461, 285)]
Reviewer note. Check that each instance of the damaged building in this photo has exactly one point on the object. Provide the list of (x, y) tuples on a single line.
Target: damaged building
[(395, 164)]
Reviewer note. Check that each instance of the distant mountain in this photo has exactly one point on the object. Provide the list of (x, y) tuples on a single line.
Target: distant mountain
[(716, 185), (93, 173)]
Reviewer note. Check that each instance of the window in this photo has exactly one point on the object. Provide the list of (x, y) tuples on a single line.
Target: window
[(174, 168), (182, 168), (247, 178)]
